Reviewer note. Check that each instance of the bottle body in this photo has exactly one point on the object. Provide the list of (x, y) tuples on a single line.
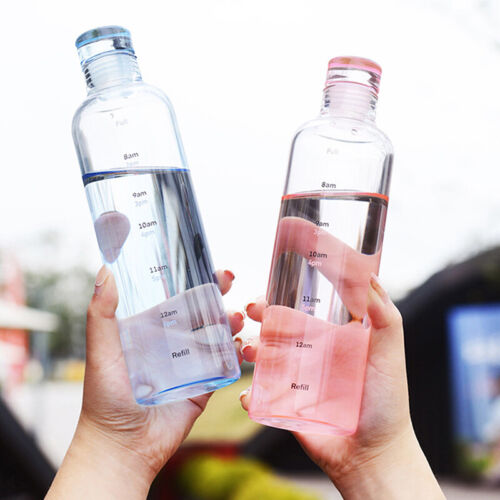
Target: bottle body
[(175, 335), (314, 340)]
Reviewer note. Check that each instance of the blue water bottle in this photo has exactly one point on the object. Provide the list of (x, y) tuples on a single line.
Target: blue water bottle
[(174, 333)]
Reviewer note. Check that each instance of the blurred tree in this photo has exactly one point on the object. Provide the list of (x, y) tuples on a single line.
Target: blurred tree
[(206, 477), (65, 293)]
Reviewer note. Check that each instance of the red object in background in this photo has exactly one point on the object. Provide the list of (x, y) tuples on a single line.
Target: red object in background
[(14, 344)]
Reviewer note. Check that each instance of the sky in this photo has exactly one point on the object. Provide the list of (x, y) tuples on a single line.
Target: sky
[(242, 77)]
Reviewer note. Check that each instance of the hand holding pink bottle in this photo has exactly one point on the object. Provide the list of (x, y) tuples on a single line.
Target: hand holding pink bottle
[(382, 459), (308, 367)]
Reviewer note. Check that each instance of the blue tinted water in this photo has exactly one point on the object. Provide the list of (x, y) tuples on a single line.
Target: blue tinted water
[(174, 332)]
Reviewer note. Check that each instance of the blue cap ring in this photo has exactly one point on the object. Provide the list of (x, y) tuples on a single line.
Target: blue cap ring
[(103, 40)]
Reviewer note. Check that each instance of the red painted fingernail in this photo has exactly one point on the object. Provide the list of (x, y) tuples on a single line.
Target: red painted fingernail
[(250, 304), (229, 274), (240, 314)]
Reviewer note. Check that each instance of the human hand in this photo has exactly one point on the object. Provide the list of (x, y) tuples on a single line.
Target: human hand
[(119, 446), (318, 292), (382, 459), (346, 269)]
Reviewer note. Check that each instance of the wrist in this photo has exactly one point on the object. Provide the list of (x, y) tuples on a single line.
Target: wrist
[(96, 466), (398, 470)]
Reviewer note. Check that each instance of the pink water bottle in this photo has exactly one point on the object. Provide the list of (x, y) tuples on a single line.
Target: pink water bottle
[(310, 368)]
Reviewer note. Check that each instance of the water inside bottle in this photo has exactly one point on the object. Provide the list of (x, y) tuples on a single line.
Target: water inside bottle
[(315, 336), (174, 332)]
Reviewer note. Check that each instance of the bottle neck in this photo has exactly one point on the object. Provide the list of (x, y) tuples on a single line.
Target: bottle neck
[(111, 69), (349, 100)]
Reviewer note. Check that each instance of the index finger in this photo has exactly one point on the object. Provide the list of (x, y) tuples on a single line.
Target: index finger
[(347, 269), (225, 280), (255, 310)]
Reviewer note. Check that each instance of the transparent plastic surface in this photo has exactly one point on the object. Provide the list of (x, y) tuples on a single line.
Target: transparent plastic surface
[(311, 363), (128, 125), (174, 332)]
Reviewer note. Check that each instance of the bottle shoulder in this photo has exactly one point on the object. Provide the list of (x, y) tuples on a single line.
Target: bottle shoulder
[(345, 130), (133, 95)]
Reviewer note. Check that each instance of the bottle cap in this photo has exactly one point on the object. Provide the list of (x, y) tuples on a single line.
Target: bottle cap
[(99, 41), (354, 70)]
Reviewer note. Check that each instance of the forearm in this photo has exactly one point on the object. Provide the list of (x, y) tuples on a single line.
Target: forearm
[(400, 472), (95, 467)]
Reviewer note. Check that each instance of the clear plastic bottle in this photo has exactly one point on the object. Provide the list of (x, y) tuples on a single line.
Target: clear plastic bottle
[(310, 368), (175, 335)]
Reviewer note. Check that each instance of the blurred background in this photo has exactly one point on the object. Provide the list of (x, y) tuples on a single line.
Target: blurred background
[(242, 77)]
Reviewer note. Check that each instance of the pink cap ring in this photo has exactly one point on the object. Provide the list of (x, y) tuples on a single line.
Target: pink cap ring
[(355, 63), (354, 70)]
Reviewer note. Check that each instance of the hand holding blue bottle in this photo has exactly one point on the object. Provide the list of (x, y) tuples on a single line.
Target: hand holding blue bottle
[(120, 446)]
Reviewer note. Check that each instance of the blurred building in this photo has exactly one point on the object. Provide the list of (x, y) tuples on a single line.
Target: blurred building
[(25, 473), (14, 343), (453, 360)]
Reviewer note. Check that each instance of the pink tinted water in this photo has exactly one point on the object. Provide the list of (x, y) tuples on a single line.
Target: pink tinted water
[(311, 364)]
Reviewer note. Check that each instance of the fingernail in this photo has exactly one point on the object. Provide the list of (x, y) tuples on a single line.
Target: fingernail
[(244, 393), (245, 345), (250, 304), (377, 287), (101, 278), (229, 274), (241, 314)]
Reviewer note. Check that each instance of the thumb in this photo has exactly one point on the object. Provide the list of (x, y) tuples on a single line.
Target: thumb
[(103, 340), (387, 340)]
